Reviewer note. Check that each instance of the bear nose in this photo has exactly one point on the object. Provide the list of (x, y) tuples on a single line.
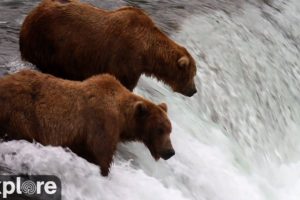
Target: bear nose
[(191, 92), (168, 154)]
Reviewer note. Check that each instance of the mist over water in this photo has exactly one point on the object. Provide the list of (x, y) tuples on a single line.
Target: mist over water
[(238, 138)]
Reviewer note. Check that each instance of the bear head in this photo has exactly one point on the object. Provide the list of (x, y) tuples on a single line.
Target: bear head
[(173, 64), (185, 68), (153, 128)]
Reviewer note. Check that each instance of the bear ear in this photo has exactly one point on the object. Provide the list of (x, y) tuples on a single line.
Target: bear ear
[(163, 106), (183, 62), (141, 109)]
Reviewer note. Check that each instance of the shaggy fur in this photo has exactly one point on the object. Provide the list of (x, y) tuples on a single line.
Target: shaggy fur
[(89, 117), (75, 40)]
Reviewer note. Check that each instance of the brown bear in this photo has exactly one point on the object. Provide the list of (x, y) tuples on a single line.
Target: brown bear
[(75, 40), (89, 117)]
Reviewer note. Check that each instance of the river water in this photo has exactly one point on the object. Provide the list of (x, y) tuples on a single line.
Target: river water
[(238, 138)]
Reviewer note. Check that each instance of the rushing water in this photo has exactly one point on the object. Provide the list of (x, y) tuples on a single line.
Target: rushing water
[(238, 138)]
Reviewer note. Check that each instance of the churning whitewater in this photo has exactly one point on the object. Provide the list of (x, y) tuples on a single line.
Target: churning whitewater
[(238, 138)]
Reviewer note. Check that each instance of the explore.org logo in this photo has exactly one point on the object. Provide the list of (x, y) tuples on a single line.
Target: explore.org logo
[(33, 187)]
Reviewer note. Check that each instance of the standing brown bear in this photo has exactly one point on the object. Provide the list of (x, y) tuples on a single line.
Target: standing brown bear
[(89, 117), (75, 40)]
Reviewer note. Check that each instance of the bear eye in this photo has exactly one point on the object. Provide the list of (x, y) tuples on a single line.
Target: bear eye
[(160, 131)]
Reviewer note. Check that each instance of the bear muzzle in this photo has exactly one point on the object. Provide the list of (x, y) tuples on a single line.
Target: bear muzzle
[(167, 154), (191, 92)]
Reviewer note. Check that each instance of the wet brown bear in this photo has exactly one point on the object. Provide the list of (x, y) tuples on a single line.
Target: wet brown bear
[(89, 117), (75, 40)]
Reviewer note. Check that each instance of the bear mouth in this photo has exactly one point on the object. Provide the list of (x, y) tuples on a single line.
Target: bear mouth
[(166, 155), (189, 92), (155, 155)]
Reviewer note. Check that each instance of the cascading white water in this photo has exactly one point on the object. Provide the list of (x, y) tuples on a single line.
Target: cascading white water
[(238, 138)]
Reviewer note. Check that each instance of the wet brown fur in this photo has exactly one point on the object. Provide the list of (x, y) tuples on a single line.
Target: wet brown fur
[(75, 40), (89, 117)]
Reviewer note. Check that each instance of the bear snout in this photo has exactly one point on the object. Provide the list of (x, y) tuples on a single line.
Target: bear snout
[(167, 154), (188, 90), (191, 92)]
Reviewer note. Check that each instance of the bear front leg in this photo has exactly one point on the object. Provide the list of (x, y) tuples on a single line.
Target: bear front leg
[(4, 119), (105, 164), (102, 149), (129, 82)]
